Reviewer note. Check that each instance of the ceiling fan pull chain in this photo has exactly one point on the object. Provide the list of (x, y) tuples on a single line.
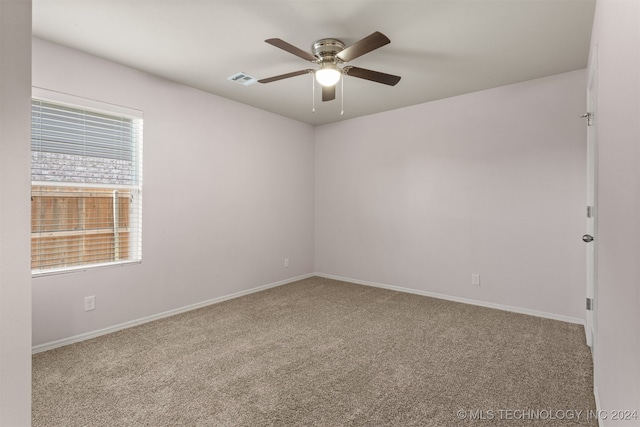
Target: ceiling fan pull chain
[(342, 95), (313, 101)]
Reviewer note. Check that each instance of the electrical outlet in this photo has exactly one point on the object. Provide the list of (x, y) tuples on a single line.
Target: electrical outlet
[(475, 279), (90, 303), (286, 263)]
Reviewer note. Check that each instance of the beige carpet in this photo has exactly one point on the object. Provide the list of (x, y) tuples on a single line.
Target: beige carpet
[(323, 353)]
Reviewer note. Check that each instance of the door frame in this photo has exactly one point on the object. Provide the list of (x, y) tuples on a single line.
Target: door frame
[(591, 324)]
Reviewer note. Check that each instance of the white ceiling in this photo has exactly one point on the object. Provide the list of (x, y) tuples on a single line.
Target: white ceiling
[(441, 48)]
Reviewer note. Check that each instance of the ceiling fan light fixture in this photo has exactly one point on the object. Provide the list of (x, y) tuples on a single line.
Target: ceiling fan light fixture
[(328, 74)]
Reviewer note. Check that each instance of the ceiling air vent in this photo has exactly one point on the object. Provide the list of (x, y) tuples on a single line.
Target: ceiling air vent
[(242, 79)]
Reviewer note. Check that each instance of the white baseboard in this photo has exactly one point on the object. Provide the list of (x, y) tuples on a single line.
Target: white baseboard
[(459, 299), (88, 335), (93, 334)]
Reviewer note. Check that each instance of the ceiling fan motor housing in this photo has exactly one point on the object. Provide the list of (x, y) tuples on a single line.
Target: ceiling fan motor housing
[(327, 49)]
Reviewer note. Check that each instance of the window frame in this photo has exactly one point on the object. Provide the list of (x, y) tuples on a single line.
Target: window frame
[(100, 107)]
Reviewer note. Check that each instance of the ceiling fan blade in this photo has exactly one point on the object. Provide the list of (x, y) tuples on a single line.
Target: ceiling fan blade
[(292, 49), (285, 76), (374, 76), (328, 93), (366, 45)]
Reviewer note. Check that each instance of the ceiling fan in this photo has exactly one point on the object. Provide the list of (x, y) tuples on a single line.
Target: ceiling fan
[(331, 55)]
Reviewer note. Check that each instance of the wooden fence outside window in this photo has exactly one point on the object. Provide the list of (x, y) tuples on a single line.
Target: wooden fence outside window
[(73, 226)]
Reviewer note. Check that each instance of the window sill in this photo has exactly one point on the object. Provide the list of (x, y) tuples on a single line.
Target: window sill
[(80, 268)]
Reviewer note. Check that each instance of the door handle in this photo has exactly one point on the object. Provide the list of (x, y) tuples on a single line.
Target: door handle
[(587, 238)]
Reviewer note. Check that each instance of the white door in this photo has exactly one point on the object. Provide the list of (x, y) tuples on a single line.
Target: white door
[(590, 237)]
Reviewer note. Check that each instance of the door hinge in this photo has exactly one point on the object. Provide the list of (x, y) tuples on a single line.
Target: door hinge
[(589, 303), (589, 211), (589, 117)]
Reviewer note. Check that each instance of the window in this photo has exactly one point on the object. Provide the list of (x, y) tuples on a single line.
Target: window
[(86, 184)]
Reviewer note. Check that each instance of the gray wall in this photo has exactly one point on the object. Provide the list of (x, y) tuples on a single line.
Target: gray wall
[(492, 182), (227, 195), (15, 276), (616, 33)]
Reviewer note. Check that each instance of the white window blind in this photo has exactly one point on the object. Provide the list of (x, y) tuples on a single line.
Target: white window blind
[(86, 187)]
